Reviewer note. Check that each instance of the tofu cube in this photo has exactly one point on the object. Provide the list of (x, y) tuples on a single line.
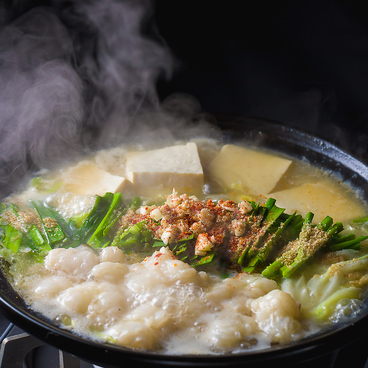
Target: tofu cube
[(87, 178), (159, 171), (255, 172), (320, 199)]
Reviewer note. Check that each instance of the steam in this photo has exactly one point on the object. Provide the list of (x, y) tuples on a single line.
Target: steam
[(40, 96), (73, 75), (118, 58)]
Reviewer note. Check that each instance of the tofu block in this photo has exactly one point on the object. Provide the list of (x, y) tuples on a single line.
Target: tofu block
[(161, 170), (87, 178), (320, 199), (256, 172)]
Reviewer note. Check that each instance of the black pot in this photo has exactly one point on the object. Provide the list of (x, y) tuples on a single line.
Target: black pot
[(292, 142)]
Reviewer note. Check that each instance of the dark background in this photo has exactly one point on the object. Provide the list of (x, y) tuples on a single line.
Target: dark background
[(303, 63)]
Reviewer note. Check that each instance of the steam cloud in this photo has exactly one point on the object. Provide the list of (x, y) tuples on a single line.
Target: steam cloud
[(73, 74)]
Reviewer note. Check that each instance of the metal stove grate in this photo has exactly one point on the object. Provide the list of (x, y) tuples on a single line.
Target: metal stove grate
[(21, 350), (18, 350)]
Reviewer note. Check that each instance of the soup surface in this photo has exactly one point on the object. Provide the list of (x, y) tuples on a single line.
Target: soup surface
[(193, 248)]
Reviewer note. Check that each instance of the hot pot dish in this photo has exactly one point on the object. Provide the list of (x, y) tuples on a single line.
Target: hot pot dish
[(197, 247)]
